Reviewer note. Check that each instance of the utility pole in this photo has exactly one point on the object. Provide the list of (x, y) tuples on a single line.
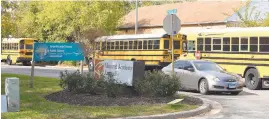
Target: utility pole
[(136, 16)]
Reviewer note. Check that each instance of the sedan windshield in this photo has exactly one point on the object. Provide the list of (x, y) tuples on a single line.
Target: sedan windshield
[(207, 66)]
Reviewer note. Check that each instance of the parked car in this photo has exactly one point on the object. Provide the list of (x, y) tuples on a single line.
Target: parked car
[(205, 76)]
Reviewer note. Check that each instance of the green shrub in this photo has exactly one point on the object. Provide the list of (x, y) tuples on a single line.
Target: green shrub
[(113, 87), (85, 83), (156, 83), (72, 81), (70, 63)]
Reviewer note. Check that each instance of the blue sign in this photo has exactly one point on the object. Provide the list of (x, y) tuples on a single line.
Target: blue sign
[(57, 52), (173, 11)]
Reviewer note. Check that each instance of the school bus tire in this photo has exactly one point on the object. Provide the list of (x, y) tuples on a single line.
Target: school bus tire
[(133, 59), (25, 63), (9, 61), (252, 80)]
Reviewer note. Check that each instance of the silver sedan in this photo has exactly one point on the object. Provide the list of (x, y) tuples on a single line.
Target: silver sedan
[(205, 76)]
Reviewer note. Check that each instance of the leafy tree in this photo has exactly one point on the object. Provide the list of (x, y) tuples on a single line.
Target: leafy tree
[(250, 17), (8, 26), (266, 20)]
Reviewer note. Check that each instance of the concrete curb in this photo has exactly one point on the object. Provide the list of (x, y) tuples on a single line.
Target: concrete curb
[(205, 107)]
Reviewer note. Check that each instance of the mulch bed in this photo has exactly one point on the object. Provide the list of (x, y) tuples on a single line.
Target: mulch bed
[(102, 100)]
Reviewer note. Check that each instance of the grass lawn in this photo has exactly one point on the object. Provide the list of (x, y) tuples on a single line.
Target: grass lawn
[(34, 106)]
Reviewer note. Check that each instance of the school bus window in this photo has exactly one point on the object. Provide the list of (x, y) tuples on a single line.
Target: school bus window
[(264, 44), (184, 44), (103, 45), (117, 45), (12, 46), (226, 44), (139, 44), (253, 47), (131, 44), (150, 44), (156, 44), (98, 45), (244, 44), (108, 46), (235, 44), (216, 44), (200, 44), (191, 45), (121, 45), (126, 45), (112, 45), (207, 44), (145, 44), (29, 46), (176, 44), (166, 44), (17, 46), (135, 44)]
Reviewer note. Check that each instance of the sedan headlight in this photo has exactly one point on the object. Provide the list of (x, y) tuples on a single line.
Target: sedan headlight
[(216, 79)]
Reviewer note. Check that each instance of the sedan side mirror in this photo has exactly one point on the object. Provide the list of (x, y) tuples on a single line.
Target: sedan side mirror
[(191, 69)]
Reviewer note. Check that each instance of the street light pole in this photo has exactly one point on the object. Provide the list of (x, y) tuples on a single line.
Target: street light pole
[(136, 16)]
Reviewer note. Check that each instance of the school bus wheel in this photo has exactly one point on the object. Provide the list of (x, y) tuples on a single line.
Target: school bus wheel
[(8, 61), (252, 79), (133, 59)]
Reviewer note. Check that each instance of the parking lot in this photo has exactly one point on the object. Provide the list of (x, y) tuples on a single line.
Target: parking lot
[(249, 104)]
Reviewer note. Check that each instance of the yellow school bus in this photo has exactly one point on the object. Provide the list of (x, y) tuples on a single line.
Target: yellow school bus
[(244, 51), (17, 50), (153, 49)]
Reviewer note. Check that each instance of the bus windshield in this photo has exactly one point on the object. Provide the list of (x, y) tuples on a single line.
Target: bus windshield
[(29, 46)]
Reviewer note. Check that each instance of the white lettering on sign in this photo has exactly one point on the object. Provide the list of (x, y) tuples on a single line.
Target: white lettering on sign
[(60, 46), (122, 71)]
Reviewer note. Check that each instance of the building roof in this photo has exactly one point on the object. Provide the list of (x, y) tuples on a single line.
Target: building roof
[(198, 12)]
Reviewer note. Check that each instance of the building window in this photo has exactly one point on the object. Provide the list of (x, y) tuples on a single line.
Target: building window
[(253, 47), (235, 44), (207, 44), (216, 44), (264, 44), (200, 44), (226, 44), (156, 44), (244, 44)]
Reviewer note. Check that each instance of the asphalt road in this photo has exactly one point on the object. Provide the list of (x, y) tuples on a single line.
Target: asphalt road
[(249, 104), (53, 72)]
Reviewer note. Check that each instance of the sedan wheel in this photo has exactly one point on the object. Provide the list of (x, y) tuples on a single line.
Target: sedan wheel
[(203, 87)]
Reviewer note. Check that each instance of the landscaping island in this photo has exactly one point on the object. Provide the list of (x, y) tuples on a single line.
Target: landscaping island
[(48, 100)]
